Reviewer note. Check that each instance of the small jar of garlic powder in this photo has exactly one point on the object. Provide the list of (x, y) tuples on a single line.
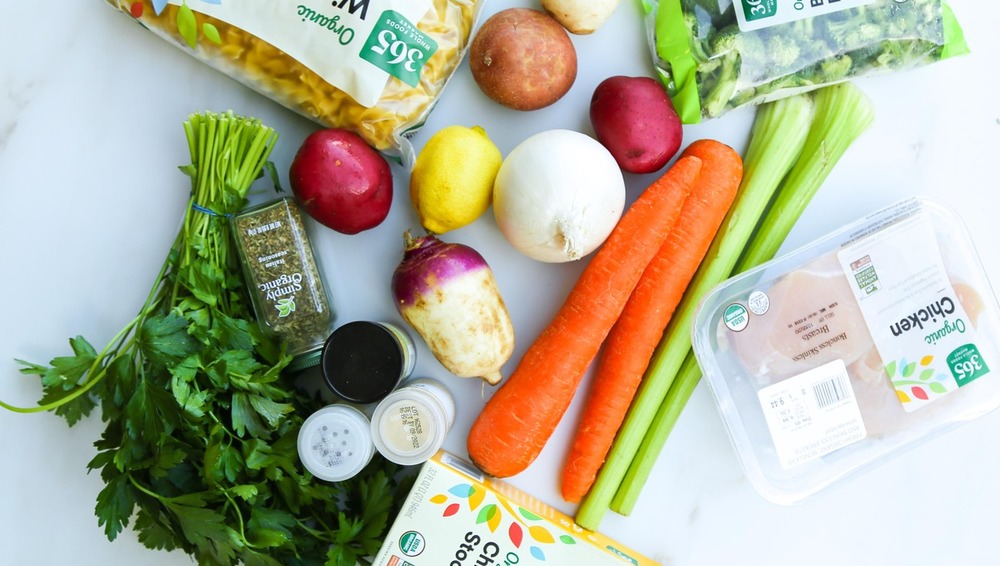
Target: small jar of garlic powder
[(411, 423)]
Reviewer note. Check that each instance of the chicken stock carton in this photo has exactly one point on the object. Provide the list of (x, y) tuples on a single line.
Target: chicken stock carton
[(456, 516)]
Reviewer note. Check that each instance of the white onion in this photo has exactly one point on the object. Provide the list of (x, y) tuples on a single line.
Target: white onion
[(558, 195)]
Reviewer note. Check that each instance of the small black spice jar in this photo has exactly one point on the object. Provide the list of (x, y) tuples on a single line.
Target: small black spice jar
[(364, 361)]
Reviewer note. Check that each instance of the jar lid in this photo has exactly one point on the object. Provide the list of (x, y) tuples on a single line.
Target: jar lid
[(306, 360), (335, 443), (409, 426), (362, 362)]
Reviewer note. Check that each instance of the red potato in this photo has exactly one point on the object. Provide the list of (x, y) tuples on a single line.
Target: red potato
[(341, 181), (523, 59), (634, 118)]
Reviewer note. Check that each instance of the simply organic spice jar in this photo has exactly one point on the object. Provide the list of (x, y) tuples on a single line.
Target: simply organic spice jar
[(284, 278), (364, 361)]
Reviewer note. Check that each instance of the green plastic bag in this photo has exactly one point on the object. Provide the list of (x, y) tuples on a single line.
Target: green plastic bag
[(709, 65)]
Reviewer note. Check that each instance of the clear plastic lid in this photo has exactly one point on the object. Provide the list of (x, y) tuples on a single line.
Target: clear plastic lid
[(335, 443), (828, 359)]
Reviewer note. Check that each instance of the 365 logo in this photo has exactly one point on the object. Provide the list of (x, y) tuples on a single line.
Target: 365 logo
[(759, 9)]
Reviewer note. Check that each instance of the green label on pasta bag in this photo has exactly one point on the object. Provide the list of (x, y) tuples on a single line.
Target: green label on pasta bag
[(397, 47)]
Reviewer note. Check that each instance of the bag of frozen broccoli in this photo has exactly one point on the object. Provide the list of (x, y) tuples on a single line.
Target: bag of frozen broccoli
[(717, 55)]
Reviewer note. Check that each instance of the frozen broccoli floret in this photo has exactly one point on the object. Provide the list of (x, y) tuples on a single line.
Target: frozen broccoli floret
[(836, 68), (697, 33), (903, 53), (724, 40), (718, 96), (720, 73), (849, 34), (783, 52)]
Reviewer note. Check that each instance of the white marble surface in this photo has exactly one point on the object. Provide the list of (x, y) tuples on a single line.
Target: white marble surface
[(91, 108)]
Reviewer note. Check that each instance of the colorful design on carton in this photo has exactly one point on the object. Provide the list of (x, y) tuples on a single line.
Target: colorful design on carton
[(493, 516)]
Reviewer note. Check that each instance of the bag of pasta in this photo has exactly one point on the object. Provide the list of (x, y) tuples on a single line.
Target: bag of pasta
[(376, 67), (717, 55)]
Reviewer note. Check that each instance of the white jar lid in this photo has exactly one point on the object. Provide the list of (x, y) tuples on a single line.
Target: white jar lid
[(409, 426), (335, 443)]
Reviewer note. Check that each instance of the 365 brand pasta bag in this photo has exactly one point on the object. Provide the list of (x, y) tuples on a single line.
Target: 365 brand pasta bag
[(375, 67)]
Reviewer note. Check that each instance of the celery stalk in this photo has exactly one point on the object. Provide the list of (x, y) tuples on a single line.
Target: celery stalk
[(651, 445), (842, 113), (776, 141)]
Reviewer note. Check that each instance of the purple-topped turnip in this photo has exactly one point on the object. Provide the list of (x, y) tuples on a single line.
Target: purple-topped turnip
[(448, 294)]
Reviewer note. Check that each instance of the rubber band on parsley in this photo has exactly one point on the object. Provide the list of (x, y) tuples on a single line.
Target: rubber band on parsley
[(200, 444)]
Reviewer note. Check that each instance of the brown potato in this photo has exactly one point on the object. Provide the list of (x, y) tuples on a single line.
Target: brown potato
[(523, 59)]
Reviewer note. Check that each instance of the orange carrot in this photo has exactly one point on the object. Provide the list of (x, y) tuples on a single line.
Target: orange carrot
[(518, 420), (632, 340)]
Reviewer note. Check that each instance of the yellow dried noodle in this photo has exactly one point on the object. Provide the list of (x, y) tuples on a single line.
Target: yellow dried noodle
[(270, 71)]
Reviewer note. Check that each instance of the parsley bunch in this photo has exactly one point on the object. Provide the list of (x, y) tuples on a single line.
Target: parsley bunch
[(200, 443)]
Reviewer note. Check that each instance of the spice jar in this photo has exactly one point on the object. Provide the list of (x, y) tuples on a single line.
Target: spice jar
[(364, 361), (335, 443), (411, 423), (285, 280)]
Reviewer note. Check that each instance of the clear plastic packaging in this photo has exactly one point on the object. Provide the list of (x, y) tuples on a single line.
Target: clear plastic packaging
[(303, 55), (829, 359), (717, 55)]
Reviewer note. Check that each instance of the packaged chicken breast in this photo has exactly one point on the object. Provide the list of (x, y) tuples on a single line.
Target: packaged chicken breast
[(376, 67), (829, 359)]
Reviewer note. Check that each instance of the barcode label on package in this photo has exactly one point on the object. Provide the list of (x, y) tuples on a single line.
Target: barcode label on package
[(757, 14), (812, 414)]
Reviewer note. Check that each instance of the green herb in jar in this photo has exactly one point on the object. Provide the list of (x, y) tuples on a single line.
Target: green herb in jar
[(285, 280)]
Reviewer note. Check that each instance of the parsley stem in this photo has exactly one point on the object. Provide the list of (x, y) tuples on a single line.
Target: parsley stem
[(239, 517), (135, 483)]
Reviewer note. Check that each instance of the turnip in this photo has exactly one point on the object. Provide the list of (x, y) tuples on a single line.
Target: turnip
[(341, 181), (447, 293)]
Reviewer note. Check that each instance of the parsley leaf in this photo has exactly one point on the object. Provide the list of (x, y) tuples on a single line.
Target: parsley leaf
[(164, 339), (154, 530), (114, 505), (206, 529)]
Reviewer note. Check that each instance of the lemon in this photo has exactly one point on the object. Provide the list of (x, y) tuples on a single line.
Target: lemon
[(451, 183)]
